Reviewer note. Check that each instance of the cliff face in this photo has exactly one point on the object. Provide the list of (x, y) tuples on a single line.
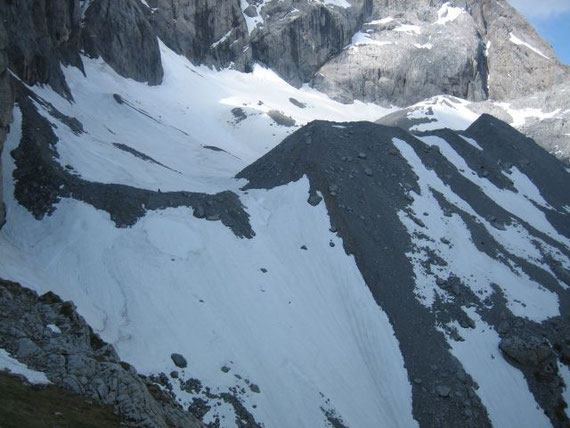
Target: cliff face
[(410, 50), (520, 61), (6, 102), (120, 33), (409, 58), (297, 38), (207, 32), (390, 52), (42, 35)]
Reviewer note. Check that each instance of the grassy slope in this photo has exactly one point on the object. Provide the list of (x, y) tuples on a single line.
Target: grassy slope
[(23, 405)]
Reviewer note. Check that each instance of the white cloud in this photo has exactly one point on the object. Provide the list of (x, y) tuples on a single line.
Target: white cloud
[(545, 9)]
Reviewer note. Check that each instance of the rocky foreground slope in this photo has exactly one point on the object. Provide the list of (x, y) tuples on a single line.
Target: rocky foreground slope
[(48, 335)]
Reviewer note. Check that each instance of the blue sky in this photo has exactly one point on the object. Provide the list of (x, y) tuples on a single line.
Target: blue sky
[(551, 18)]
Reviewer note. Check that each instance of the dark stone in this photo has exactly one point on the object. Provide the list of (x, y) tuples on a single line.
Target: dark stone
[(527, 351), (297, 103), (443, 390), (314, 199), (250, 11), (179, 360)]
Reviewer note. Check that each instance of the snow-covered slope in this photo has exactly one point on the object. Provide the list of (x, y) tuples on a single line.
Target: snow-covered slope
[(307, 331), (183, 123), (542, 116), (354, 275), (280, 316)]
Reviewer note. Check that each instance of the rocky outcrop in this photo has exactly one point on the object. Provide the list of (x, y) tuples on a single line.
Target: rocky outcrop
[(48, 335), (42, 35), (400, 61), (41, 181), (119, 32), (411, 50), (6, 102), (298, 37), (520, 61), (207, 32), (547, 117)]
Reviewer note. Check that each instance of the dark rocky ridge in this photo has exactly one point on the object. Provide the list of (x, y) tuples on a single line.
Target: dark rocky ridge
[(365, 182), (40, 181), (77, 359), (379, 242)]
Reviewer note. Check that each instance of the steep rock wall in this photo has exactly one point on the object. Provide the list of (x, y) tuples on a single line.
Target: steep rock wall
[(6, 102), (207, 32), (297, 38), (119, 32)]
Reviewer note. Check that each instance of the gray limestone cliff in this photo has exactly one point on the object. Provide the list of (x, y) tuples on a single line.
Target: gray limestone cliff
[(120, 33), (207, 32), (42, 35), (520, 61), (298, 37), (414, 49), (406, 59)]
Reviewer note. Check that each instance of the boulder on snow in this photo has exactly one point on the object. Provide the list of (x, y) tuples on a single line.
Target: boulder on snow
[(179, 360)]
